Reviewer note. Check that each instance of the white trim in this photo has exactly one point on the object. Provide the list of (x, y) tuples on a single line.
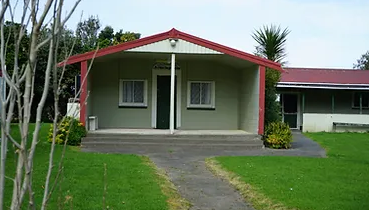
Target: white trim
[(322, 87), (155, 74), (121, 103), (212, 102), (172, 89), (323, 83)]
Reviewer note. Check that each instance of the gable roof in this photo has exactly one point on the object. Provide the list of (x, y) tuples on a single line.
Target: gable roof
[(175, 34), (325, 76)]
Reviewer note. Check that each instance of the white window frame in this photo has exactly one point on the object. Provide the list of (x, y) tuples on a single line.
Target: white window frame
[(132, 104), (212, 97), (353, 100)]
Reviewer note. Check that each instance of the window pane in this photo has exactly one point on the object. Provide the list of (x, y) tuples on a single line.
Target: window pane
[(206, 93), (365, 100), (128, 91), (138, 91), (195, 93), (356, 99)]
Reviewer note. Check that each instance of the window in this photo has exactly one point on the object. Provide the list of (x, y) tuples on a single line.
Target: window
[(201, 94), (133, 93), (364, 100)]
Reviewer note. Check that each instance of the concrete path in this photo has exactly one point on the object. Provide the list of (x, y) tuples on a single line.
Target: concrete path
[(186, 169), (197, 184)]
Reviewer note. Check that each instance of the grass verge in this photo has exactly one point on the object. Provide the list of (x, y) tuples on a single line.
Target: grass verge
[(131, 181), (257, 199), (175, 201), (337, 182)]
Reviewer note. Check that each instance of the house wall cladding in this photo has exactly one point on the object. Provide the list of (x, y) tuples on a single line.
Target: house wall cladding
[(225, 115), (105, 94), (320, 101), (249, 100), (182, 46)]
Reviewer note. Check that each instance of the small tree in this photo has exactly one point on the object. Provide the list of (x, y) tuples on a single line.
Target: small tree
[(19, 78), (363, 62), (271, 45)]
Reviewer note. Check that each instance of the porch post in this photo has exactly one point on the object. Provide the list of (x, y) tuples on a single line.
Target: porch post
[(261, 99), (361, 105), (332, 103), (83, 96), (172, 84)]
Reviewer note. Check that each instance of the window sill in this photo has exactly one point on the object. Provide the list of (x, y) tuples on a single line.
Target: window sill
[(359, 107), (133, 106), (200, 108)]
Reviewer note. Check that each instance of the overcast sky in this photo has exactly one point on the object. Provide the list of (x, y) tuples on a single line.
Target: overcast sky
[(324, 33)]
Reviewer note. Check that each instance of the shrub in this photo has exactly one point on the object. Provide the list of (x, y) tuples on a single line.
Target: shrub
[(278, 135), (70, 128)]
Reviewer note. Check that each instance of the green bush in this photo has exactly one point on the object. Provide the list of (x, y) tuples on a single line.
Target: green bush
[(278, 135), (272, 107), (70, 128)]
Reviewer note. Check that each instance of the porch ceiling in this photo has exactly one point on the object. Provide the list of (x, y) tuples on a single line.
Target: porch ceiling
[(218, 58)]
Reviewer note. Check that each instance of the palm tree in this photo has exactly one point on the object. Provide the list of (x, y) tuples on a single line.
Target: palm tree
[(271, 40), (271, 45)]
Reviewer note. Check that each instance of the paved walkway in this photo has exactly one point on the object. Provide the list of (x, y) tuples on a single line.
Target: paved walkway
[(186, 169)]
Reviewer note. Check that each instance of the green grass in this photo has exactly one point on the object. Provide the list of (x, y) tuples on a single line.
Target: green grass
[(340, 181), (131, 182)]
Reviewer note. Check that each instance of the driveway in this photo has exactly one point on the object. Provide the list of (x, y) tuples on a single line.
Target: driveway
[(186, 168)]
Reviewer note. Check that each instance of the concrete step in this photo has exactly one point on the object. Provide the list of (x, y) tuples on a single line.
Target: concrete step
[(166, 146), (119, 141), (93, 137), (88, 141)]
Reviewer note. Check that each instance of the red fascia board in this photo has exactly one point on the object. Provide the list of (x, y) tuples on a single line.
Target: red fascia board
[(178, 35), (230, 51), (114, 49)]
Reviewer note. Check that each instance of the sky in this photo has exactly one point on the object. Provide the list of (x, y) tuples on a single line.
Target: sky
[(324, 33)]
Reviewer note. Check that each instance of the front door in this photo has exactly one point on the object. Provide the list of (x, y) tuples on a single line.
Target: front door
[(289, 109), (163, 103)]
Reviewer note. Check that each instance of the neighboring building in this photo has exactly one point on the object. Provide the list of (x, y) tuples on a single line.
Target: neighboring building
[(173, 80), (314, 99)]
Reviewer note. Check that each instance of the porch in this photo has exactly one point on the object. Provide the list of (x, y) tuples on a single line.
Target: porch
[(316, 110), (132, 90)]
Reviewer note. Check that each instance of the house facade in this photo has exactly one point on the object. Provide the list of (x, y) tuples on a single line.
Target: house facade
[(174, 81), (313, 100)]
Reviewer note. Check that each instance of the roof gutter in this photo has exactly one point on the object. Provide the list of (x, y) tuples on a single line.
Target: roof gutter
[(324, 86)]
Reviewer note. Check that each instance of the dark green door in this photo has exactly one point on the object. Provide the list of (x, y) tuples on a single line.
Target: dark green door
[(163, 103)]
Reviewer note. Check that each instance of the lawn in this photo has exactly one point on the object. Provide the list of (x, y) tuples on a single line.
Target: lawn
[(340, 181), (132, 181)]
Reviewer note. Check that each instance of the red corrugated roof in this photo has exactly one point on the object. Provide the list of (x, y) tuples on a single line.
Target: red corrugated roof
[(321, 75), (177, 35)]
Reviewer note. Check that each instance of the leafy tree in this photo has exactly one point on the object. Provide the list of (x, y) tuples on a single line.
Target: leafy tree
[(121, 37), (87, 32), (363, 62), (106, 37), (271, 45), (86, 38), (11, 32)]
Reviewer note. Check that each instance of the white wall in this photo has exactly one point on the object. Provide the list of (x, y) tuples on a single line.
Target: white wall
[(181, 46), (73, 110), (324, 122)]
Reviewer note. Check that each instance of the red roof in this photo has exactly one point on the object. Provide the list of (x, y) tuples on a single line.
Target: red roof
[(321, 75), (176, 35)]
